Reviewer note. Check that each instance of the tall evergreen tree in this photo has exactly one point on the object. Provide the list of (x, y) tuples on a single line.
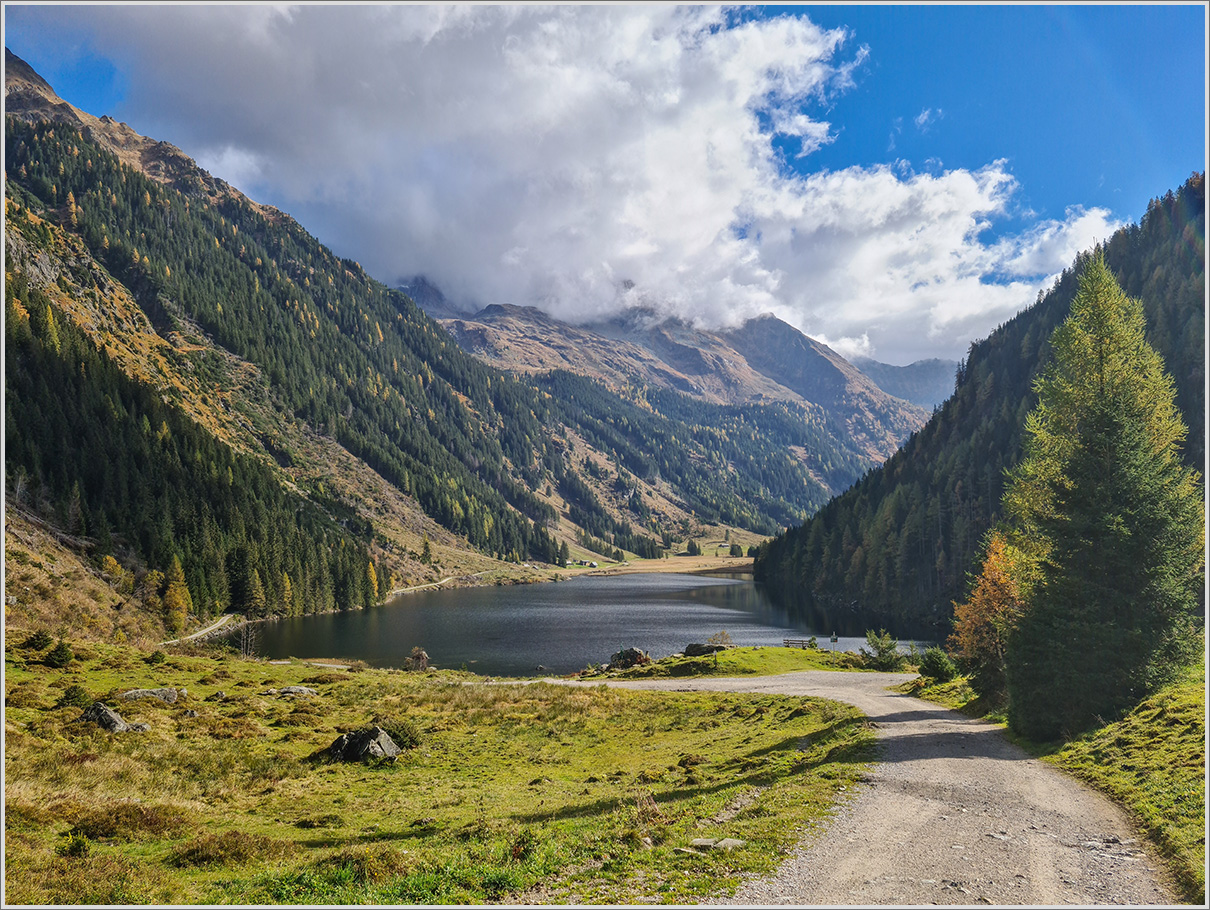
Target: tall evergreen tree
[(1109, 519)]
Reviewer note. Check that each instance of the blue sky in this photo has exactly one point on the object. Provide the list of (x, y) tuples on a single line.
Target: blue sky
[(894, 180)]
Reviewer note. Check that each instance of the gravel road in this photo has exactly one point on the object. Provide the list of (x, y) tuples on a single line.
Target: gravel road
[(953, 813)]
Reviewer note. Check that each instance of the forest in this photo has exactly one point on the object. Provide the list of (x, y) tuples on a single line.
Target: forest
[(897, 549), (360, 364)]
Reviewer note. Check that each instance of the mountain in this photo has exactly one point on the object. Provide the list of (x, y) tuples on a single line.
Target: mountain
[(926, 383), (202, 399), (765, 360), (895, 549)]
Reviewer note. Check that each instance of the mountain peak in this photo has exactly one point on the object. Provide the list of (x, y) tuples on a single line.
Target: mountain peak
[(29, 97)]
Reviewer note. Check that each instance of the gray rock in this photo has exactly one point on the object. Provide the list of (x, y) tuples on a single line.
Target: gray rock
[(108, 718), (138, 728), (167, 695), (217, 696), (372, 742), (709, 843), (699, 650), (296, 690), (628, 657)]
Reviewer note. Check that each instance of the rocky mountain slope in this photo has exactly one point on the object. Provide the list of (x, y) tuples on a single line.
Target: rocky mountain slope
[(222, 340), (764, 360)]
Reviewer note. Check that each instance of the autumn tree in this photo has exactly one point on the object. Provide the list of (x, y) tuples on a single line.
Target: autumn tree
[(1109, 518), (178, 603), (983, 622)]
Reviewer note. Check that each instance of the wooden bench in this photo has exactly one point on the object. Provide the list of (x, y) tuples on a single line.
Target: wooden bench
[(796, 642)]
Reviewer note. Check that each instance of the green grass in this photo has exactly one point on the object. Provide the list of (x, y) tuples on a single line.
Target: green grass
[(747, 661), (1152, 762), (957, 695), (513, 793)]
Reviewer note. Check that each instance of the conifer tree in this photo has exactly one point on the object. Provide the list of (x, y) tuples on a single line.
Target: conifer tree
[(1109, 520), (178, 603)]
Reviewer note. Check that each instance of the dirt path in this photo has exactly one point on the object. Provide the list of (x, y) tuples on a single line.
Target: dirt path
[(953, 814), (213, 627)]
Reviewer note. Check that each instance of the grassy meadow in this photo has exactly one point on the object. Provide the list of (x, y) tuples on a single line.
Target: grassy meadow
[(509, 792)]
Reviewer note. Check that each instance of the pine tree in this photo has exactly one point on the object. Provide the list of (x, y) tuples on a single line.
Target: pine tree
[(1109, 520)]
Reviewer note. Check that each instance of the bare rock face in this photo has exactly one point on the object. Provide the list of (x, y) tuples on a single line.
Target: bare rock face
[(372, 742), (109, 719)]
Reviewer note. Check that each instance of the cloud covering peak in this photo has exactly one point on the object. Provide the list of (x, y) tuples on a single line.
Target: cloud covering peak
[(587, 160)]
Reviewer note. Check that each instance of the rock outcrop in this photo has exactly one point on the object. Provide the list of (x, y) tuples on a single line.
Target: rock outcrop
[(372, 742)]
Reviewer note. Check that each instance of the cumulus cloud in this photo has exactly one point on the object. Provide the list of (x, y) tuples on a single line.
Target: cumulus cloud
[(586, 160)]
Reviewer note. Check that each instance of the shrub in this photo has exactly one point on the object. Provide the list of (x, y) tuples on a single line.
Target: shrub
[(227, 849), (75, 845), (74, 696), (59, 656), (937, 665), (129, 821), (405, 733), (38, 641), (369, 865), (156, 657), (884, 651)]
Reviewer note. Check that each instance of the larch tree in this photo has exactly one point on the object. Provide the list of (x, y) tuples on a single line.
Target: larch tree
[(983, 622), (1109, 520), (178, 603)]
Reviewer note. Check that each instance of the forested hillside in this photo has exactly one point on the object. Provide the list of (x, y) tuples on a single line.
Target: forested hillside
[(896, 549), (145, 297)]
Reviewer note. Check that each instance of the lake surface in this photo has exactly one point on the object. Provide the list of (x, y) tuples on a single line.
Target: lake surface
[(563, 627)]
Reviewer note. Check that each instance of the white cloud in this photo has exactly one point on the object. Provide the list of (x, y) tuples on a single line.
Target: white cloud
[(553, 155), (927, 118)]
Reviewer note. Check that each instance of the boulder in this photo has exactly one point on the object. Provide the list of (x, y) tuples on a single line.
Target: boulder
[(372, 742), (628, 657), (108, 718), (699, 650), (167, 695), (296, 690)]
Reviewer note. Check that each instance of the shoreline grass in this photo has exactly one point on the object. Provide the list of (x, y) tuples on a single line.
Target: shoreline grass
[(513, 792)]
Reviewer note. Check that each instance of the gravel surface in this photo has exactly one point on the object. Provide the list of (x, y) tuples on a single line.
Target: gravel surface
[(953, 813)]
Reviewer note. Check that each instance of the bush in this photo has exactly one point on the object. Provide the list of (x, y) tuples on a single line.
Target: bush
[(76, 845), (405, 733), (74, 696), (156, 657), (936, 664), (129, 821), (38, 641), (369, 865), (59, 656), (884, 651), (231, 848)]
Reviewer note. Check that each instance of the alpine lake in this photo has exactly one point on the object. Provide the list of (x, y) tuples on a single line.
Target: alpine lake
[(555, 628)]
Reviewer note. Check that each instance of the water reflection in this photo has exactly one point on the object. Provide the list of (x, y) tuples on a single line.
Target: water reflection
[(564, 627)]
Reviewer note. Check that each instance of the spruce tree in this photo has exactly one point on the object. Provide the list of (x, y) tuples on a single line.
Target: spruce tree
[(1109, 519)]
